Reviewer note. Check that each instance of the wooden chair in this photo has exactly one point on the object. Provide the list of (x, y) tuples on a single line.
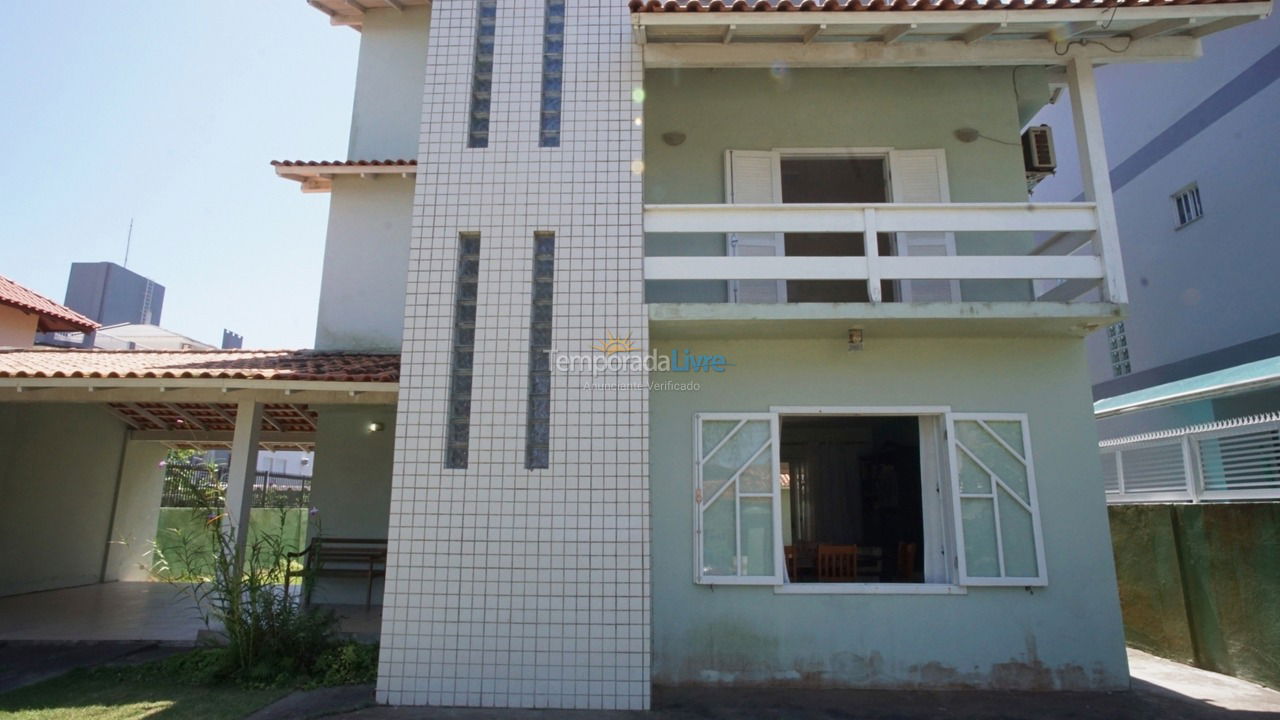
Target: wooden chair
[(789, 554), (837, 563), (870, 563)]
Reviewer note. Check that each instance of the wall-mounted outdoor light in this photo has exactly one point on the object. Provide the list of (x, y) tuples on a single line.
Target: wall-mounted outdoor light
[(855, 339), (375, 427), (673, 138)]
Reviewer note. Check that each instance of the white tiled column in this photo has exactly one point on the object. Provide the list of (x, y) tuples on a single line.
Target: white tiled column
[(511, 587)]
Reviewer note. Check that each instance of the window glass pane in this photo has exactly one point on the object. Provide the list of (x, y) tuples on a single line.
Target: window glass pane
[(758, 476), (979, 537), (1018, 536), (482, 74), (462, 360), (991, 453), (757, 536), (719, 536), (733, 455), (973, 479), (713, 431), (538, 435), (1010, 431)]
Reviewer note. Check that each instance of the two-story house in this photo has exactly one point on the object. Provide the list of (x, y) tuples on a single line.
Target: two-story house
[(722, 357)]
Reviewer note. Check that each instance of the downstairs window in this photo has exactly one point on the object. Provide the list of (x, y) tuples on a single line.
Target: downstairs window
[(862, 498)]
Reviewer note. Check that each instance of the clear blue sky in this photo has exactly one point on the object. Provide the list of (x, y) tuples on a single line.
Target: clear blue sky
[(170, 113)]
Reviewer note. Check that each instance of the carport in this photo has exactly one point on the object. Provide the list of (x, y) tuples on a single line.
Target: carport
[(83, 434)]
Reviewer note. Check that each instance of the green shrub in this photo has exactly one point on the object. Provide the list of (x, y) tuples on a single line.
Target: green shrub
[(272, 639), (348, 664)]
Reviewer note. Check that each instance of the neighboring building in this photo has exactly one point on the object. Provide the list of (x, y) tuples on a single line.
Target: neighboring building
[(1188, 385), (660, 415), (24, 312), (111, 294), (129, 336), (1193, 185)]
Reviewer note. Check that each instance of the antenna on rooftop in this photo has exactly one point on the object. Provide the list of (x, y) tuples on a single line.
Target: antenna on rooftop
[(128, 241)]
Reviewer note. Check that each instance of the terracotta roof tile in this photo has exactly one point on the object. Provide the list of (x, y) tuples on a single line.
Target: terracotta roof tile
[(53, 317), (344, 163), (657, 6), (308, 365)]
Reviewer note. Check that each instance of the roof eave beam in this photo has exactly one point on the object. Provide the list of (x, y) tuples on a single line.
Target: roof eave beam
[(980, 32), (1160, 27), (917, 54), (960, 17), (894, 33)]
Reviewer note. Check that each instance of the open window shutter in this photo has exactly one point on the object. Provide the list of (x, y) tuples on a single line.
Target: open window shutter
[(738, 499), (993, 488), (920, 176), (753, 176)]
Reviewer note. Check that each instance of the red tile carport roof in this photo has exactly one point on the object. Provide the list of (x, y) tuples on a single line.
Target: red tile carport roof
[(654, 6), (299, 365), (53, 317), (344, 163)]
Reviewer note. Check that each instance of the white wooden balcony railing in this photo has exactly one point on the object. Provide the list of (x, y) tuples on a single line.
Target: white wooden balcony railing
[(1073, 226)]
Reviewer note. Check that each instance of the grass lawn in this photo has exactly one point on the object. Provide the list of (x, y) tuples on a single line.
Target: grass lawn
[(119, 695)]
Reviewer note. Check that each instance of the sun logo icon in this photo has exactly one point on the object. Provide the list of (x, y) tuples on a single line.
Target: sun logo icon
[(613, 344)]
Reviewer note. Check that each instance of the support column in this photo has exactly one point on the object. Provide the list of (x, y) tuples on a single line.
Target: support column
[(242, 473), (1095, 174)]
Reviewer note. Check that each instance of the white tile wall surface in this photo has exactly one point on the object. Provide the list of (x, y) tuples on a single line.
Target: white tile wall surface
[(509, 587)]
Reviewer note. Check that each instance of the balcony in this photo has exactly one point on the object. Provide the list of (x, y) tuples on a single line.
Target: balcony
[(1067, 283)]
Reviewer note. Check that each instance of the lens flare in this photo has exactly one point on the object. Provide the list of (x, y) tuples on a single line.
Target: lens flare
[(637, 95), (637, 167)]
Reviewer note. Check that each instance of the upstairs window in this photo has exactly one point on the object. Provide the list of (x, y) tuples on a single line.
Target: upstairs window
[(1187, 202)]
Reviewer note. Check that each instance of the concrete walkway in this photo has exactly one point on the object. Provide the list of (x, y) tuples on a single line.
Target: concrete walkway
[(1162, 690)]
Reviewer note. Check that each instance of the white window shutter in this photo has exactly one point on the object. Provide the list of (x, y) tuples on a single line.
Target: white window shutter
[(993, 492), (738, 499), (754, 177), (920, 176)]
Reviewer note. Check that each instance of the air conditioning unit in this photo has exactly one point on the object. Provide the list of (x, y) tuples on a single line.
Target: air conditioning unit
[(1037, 149)]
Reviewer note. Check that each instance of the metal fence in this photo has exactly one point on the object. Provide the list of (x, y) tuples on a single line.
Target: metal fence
[(199, 485), (1221, 461)]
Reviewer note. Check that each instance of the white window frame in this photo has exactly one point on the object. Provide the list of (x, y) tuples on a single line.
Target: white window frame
[(944, 522), (1187, 191), (779, 561), (1042, 578)]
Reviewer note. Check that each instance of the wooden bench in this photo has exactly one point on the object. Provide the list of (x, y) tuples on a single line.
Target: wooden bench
[(342, 558)]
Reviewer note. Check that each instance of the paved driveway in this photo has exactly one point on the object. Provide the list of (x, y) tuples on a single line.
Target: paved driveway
[(1162, 690)]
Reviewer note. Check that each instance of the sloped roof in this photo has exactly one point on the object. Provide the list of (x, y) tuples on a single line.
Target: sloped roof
[(898, 5), (53, 317), (299, 365)]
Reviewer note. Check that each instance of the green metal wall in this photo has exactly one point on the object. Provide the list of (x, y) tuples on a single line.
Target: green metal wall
[(1198, 584)]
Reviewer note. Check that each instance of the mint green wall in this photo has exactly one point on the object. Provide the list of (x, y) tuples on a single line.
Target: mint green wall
[(755, 109), (58, 469), (182, 530), (351, 485), (366, 261), (387, 109), (1065, 635), (133, 532)]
